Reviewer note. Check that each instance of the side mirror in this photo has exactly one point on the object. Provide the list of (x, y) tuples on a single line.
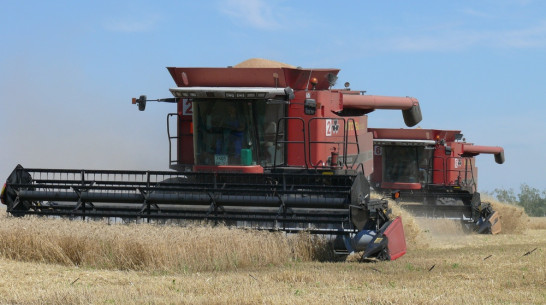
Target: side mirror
[(310, 106)]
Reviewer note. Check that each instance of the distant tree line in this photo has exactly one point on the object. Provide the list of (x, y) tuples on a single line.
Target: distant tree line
[(530, 198)]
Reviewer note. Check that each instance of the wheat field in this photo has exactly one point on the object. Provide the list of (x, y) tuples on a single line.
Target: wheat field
[(54, 261)]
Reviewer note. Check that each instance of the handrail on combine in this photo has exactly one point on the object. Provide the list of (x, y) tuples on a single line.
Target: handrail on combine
[(353, 143), (277, 141), (465, 175), (313, 143), (344, 144), (171, 161)]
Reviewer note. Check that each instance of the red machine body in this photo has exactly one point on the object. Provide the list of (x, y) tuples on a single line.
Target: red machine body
[(270, 147), (427, 160), (318, 127)]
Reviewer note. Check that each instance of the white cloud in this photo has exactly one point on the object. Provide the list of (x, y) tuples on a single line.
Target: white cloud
[(256, 13), (520, 2), (446, 40), (453, 41), (475, 13), (132, 25), (534, 36)]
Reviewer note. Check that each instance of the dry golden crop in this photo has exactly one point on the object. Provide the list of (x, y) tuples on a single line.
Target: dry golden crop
[(151, 247), (54, 261)]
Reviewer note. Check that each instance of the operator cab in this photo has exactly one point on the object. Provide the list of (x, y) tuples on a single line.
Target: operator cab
[(231, 129), (407, 164), (237, 132), (403, 164)]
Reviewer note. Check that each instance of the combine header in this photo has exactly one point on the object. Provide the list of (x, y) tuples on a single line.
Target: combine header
[(272, 148), (436, 168)]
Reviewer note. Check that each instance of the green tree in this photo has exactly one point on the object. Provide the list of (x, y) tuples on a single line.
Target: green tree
[(531, 199), (507, 196)]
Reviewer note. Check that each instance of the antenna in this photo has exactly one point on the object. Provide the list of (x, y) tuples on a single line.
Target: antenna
[(308, 80)]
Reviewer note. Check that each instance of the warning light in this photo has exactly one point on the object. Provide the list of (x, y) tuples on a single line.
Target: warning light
[(134, 100), (314, 82), (395, 195)]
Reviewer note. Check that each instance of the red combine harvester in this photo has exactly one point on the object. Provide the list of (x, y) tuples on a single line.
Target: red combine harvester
[(436, 168), (272, 148)]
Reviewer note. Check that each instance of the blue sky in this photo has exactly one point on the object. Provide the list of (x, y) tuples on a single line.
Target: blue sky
[(68, 70)]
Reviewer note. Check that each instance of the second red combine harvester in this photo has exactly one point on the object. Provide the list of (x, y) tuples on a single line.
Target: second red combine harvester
[(437, 169), (271, 147)]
